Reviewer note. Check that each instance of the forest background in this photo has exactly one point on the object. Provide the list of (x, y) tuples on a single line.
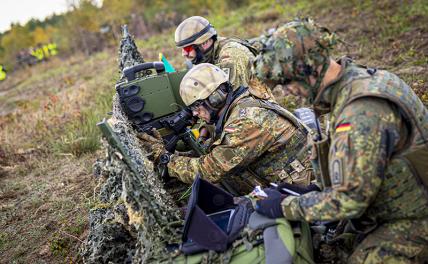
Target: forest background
[(48, 111)]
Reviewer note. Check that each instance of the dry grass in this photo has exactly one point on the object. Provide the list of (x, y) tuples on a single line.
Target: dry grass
[(44, 209), (48, 143)]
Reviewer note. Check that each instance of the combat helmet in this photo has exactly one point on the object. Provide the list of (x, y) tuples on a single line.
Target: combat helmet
[(201, 82), (194, 30), (294, 52), (206, 84)]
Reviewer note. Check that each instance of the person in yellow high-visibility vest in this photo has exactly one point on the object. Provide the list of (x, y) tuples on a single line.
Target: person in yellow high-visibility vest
[(2, 73)]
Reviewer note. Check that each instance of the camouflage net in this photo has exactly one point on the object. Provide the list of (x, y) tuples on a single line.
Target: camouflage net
[(128, 52), (135, 217)]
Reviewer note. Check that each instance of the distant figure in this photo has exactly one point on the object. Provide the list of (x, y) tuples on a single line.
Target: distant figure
[(2, 73)]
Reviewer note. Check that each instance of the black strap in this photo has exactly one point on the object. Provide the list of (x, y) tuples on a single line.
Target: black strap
[(230, 98)]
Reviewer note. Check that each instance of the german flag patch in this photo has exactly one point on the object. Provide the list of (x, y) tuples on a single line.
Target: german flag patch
[(343, 127)]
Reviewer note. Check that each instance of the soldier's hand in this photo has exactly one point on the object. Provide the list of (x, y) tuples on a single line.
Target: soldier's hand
[(156, 138), (271, 206), (153, 144)]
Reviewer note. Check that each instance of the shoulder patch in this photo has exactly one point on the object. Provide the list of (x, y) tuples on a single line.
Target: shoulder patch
[(337, 176)]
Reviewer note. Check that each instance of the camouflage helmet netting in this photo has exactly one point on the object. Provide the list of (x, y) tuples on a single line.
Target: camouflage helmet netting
[(294, 51)]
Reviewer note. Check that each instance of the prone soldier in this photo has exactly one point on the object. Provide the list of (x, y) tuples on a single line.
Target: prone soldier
[(377, 172), (255, 142)]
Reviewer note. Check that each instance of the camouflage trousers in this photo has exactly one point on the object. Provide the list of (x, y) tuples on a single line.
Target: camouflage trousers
[(402, 241)]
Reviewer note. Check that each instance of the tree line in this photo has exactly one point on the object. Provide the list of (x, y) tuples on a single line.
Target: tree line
[(89, 28)]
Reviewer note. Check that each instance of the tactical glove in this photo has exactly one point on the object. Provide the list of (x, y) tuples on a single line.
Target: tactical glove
[(297, 189), (271, 206), (153, 144)]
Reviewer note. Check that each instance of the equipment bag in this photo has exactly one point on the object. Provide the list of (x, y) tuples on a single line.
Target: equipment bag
[(213, 221), (284, 242), (265, 240), (217, 229)]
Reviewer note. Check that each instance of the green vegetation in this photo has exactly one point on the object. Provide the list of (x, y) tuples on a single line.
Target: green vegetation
[(59, 246), (48, 137), (82, 136)]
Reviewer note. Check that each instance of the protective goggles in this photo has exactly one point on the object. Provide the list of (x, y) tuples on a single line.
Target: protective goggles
[(189, 48)]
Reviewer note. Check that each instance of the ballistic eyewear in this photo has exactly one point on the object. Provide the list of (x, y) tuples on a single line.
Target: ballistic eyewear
[(188, 49)]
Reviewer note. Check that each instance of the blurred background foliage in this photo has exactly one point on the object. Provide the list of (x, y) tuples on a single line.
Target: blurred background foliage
[(89, 28), (390, 34)]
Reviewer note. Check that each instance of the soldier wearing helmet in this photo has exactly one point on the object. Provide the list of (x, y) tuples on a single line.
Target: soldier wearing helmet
[(257, 141), (377, 166), (200, 43)]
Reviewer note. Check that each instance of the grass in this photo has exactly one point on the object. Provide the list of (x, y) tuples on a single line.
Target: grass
[(49, 217), (82, 136), (48, 138)]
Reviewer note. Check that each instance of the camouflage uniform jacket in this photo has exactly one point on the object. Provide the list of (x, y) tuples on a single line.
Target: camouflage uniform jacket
[(255, 140), (234, 57), (378, 127)]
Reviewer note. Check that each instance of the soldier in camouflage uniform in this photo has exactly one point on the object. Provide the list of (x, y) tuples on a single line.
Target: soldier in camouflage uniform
[(378, 156), (200, 44), (257, 141)]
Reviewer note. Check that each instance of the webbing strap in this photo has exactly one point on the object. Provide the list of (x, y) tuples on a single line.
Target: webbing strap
[(243, 42), (230, 98), (278, 110)]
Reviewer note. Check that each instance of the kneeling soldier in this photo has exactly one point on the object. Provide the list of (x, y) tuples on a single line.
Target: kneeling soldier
[(377, 176)]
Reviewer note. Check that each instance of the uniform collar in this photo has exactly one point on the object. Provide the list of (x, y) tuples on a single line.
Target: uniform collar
[(215, 51), (328, 97)]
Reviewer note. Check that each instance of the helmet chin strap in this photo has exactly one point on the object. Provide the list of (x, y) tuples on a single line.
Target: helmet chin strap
[(202, 56), (317, 85), (199, 55), (214, 110), (231, 96)]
